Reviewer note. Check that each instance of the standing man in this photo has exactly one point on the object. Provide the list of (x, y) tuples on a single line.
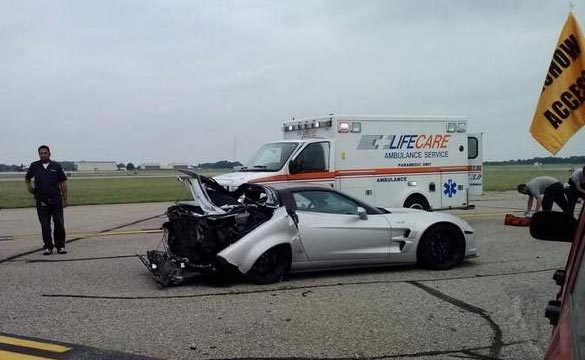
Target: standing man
[(50, 191), (546, 190), (576, 188)]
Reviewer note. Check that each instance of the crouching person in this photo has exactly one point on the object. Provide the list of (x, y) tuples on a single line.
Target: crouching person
[(546, 190)]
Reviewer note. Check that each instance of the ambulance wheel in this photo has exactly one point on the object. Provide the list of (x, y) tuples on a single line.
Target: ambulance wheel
[(441, 247), (271, 266), (417, 201)]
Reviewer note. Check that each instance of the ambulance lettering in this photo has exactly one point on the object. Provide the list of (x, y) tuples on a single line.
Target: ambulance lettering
[(407, 146), (392, 179)]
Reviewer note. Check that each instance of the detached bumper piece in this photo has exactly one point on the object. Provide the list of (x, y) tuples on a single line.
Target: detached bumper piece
[(169, 270)]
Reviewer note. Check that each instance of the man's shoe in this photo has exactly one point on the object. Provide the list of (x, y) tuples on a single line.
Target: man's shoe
[(48, 252), (61, 251)]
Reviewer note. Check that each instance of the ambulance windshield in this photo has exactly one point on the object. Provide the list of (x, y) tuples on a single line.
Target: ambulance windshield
[(271, 157)]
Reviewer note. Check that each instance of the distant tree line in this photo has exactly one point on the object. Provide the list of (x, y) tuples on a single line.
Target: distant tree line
[(67, 166), (70, 166), (224, 164), (540, 160), (4, 167)]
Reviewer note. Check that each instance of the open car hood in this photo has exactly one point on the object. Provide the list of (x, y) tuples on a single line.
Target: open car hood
[(198, 186), (213, 199)]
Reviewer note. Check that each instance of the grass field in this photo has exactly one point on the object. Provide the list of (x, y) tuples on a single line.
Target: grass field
[(129, 189), (507, 177)]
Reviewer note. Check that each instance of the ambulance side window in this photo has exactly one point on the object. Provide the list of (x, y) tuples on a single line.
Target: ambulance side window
[(315, 157), (472, 147)]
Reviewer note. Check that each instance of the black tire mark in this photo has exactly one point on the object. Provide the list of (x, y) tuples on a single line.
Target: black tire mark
[(79, 259), (467, 351), (474, 355), (497, 343), (80, 238), (287, 288)]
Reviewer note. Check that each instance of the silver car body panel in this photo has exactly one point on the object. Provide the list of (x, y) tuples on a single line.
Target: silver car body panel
[(279, 230), (418, 221), (328, 237)]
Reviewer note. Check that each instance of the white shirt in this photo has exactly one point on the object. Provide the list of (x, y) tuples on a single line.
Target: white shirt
[(539, 184), (578, 177)]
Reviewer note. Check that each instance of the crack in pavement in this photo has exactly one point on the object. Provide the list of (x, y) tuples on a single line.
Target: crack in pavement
[(497, 343), (467, 351), (287, 288), (10, 258)]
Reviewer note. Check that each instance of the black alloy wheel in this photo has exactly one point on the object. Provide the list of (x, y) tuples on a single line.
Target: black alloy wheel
[(271, 266), (441, 247)]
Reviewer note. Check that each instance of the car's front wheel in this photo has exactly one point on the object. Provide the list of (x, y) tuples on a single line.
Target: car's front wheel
[(271, 266), (441, 247)]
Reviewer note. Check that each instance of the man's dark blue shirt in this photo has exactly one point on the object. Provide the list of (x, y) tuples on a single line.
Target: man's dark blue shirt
[(47, 181)]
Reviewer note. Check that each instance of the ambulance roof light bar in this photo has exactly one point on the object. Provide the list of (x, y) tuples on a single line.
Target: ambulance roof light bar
[(308, 124)]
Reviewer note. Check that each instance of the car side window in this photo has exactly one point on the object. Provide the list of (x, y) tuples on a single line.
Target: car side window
[(315, 157), (324, 202)]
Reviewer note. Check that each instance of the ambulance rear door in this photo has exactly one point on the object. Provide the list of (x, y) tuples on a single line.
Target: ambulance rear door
[(454, 173), (475, 162)]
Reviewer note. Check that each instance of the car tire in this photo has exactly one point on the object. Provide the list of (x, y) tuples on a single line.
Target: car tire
[(417, 201), (441, 247), (271, 266)]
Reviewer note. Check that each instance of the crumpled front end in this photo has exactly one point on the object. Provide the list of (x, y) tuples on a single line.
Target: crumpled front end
[(192, 240)]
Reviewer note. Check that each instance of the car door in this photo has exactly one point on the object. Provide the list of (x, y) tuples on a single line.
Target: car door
[(312, 164), (330, 228), (567, 312)]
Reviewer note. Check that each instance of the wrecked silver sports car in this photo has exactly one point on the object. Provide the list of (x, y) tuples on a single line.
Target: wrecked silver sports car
[(266, 231)]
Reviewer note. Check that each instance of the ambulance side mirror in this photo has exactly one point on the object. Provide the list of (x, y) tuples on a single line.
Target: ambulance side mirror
[(293, 167)]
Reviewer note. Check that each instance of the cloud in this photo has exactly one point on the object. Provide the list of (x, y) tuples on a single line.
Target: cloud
[(179, 80)]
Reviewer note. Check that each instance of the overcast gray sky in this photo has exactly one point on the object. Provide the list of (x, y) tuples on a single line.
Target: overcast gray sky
[(164, 81)]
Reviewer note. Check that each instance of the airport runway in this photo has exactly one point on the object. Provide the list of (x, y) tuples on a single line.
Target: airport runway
[(100, 296)]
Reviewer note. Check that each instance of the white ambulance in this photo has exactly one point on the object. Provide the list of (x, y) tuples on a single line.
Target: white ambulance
[(425, 162)]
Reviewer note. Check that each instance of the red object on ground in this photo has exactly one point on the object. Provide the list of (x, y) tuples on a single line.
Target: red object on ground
[(513, 220)]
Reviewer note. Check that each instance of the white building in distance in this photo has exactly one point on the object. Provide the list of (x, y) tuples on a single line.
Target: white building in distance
[(92, 166), (149, 166)]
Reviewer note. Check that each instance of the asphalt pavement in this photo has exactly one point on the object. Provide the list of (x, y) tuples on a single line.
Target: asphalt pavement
[(100, 296)]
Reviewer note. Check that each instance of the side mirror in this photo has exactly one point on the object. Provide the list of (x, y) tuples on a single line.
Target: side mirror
[(293, 167), (553, 226), (362, 213)]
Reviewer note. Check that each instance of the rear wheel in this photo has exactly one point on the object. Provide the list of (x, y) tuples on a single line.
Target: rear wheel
[(441, 247), (417, 201), (271, 266)]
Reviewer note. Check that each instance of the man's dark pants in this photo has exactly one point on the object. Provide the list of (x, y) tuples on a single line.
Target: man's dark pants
[(573, 194), (555, 193), (45, 213)]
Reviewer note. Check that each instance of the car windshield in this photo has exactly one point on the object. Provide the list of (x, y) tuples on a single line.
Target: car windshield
[(271, 157)]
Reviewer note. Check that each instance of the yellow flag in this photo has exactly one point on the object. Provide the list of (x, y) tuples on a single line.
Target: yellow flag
[(560, 112)]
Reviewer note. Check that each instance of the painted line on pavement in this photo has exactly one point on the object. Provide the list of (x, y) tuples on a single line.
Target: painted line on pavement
[(17, 347), (33, 344), (86, 235), (486, 215)]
